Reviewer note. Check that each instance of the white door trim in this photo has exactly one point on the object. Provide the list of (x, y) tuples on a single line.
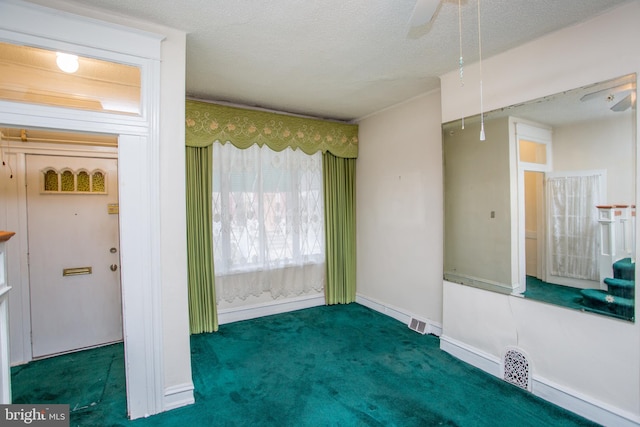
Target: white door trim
[(138, 162), (530, 131)]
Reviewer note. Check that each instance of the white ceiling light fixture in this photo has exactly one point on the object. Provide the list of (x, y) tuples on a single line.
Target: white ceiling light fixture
[(67, 62)]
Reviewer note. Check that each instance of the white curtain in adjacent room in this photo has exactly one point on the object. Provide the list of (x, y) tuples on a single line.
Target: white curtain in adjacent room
[(268, 222), (573, 225)]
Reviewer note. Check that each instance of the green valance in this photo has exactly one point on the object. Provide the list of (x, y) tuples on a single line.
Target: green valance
[(206, 123)]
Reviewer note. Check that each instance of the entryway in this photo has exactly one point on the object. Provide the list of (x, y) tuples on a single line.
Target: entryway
[(72, 211), (144, 153), (532, 143)]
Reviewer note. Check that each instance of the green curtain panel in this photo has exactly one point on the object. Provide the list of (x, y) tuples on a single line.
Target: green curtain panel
[(207, 122), (339, 175), (203, 316)]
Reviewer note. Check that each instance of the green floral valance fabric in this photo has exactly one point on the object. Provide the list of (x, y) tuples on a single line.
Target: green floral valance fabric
[(206, 123)]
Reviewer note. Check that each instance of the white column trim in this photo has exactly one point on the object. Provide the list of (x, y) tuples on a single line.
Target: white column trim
[(138, 164), (178, 395), (153, 110)]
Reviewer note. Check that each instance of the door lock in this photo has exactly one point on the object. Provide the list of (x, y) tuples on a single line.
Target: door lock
[(113, 250), (113, 267)]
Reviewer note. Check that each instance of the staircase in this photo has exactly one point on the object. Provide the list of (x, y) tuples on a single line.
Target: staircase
[(618, 299)]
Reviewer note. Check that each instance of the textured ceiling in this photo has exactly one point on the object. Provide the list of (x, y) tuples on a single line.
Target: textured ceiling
[(339, 59)]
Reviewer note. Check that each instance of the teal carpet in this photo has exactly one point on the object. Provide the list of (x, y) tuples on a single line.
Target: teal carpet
[(91, 382), (564, 296), (569, 297), (340, 365)]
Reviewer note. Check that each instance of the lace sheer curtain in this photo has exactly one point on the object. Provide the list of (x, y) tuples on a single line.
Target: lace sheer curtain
[(287, 276), (574, 226), (268, 222)]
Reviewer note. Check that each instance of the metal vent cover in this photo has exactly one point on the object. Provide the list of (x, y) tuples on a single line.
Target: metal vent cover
[(516, 368), (419, 326)]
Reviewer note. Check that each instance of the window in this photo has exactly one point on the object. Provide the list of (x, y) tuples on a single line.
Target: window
[(68, 181), (42, 76), (268, 215), (533, 152)]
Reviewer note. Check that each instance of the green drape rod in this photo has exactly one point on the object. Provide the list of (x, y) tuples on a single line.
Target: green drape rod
[(202, 297), (339, 176)]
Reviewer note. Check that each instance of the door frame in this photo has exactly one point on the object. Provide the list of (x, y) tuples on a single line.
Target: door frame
[(535, 132), (16, 196), (138, 164), (23, 316)]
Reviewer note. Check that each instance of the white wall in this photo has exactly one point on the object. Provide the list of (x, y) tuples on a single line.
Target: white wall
[(399, 209), (602, 144), (477, 244), (592, 361)]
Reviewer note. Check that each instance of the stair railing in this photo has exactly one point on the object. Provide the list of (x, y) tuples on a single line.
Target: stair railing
[(617, 237)]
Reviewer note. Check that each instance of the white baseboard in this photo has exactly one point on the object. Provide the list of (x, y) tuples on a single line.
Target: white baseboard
[(487, 362), (236, 314), (178, 396), (399, 314), (600, 412), (585, 406)]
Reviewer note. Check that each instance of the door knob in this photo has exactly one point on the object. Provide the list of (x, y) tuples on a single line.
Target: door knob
[(113, 250), (113, 267)]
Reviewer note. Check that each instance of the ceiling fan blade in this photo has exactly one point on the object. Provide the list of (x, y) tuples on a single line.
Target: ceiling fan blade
[(623, 105), (609, 91), (423, 12)]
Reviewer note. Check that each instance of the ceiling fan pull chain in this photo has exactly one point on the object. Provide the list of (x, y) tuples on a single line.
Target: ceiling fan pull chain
[(482, 136), (461, 62)]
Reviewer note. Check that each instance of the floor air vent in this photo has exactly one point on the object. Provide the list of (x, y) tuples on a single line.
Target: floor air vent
[(516, 369), (418, 326)]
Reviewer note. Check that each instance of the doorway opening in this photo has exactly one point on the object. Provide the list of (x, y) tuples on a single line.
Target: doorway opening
[(64, 187), (535, 265), (533, 159)]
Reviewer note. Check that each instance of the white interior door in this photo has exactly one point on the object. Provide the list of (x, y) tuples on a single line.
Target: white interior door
[(534, 208), (73, 253)]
